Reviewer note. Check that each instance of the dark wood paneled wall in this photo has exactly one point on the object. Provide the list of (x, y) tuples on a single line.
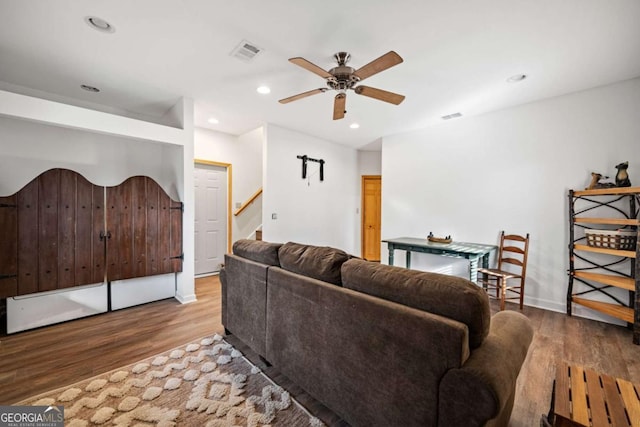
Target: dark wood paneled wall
[(28, 275), (47, 226), (57, 232), (175, 243), (98, 242), (153, 264), (164, 244), (8, 246)]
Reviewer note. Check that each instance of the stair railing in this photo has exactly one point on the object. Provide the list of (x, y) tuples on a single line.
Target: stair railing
[(246, 204)]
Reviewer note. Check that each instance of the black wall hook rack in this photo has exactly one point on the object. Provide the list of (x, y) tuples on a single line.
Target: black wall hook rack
[(306, 159)]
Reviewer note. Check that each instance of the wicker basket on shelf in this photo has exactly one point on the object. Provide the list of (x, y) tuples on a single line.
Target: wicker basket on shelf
[(624, 240)]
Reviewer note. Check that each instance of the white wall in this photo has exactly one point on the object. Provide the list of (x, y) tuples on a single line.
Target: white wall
[(310, 211), (27, 149), (369, 163), (511, 170), (38, 134), (244, 153)]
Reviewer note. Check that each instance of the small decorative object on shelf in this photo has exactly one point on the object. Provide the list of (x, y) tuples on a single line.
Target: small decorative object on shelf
[(622, 177), (621, 239), (434, 239), (595, 182)]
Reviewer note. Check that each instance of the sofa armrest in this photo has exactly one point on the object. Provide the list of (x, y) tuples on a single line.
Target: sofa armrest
[(244, 300), (223, 289), (482, 391)]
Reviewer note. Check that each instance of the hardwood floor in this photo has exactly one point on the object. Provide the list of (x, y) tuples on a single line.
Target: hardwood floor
[(35, 361), (600, 346)]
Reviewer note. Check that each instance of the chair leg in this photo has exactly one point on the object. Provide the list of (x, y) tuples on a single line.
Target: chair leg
[(503, 292), (521, 293)]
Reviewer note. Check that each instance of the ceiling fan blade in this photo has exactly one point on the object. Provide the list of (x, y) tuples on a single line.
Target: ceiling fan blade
[(387, 60), (382, 95), (339, 106), (301, 62), (303, 95)]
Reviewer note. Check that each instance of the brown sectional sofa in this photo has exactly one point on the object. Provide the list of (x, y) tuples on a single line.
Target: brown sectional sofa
[(378, 345)]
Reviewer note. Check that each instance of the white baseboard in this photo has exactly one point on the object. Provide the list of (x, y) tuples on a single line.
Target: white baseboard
[(46, 308), (186, 299), (141, 290), (213, 273), (576, 310)]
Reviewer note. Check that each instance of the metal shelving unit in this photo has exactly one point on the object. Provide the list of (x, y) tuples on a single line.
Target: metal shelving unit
[(599, 270)]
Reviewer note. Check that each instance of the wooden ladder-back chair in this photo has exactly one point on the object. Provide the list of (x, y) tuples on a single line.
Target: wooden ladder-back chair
[(512, 266)]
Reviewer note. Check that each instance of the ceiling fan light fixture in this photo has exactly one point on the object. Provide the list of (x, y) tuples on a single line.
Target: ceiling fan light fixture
[(264, 90), (99, 24), (343, 78), (354, 125)]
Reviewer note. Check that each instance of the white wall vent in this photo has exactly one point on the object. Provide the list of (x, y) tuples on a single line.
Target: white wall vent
[(452, 116), (246, 51)]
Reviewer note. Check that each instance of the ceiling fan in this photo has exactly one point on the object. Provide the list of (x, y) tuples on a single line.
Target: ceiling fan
[(343, 77)]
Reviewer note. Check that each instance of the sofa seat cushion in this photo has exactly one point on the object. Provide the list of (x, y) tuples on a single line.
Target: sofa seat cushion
[(258, 251), (448, 296), (319, 262)]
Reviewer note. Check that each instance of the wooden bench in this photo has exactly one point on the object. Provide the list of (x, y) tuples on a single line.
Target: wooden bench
[(583, 397)]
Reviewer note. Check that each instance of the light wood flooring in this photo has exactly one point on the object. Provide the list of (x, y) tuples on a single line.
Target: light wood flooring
[(35, 361)]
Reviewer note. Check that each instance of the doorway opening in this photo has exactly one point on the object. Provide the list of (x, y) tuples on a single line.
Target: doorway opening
[(371, 216), (212, 187)]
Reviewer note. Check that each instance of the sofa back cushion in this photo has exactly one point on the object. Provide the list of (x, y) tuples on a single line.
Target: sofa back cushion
[(319, 262), (449, 296), (258, 251), (373, 362)]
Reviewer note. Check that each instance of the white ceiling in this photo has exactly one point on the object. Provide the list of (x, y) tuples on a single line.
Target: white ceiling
[(457, 56)]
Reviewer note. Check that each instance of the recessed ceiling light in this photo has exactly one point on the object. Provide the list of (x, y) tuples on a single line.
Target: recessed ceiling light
[(90, 88), (213, 120), (516, 78), (354, 126), (264, 90), (99, 24)]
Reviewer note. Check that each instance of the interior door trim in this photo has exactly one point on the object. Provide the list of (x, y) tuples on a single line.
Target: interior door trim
[(229, 168), (364, 179)]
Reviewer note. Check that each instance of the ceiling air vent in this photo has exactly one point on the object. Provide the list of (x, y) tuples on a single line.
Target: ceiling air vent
[(452, 116), (246, 51)]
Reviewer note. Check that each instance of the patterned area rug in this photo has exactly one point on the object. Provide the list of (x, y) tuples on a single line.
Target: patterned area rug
[(204, 384)]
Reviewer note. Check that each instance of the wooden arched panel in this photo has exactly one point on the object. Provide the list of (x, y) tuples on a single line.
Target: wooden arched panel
[(51, 234), (145, 228), (60, 231)]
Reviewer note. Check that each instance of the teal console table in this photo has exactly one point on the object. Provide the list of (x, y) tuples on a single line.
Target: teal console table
[(474, 252)]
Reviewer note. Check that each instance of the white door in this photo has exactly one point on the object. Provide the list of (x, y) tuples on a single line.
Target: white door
[(211, 217)]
